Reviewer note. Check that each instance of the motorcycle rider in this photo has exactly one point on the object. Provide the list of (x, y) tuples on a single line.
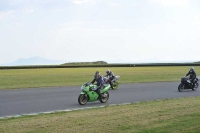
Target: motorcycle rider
[(192, 74), (95, 77), (111, 76), (100, 82)]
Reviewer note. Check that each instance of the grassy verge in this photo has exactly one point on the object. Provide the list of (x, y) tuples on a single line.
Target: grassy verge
[(167, 116), (26, 78)]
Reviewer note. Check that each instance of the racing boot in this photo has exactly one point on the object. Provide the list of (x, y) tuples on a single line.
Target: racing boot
[(193, 85), (111, 85)]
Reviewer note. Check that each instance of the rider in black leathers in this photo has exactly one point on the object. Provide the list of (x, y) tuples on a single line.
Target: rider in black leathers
[(111, 76), (192, 75)]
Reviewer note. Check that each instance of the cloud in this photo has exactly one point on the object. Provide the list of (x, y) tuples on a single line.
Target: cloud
[(172, 3), (6, 14), (195, 20), (30, 10), (79, 2), (18, 24), (74, 25), (114, 4)]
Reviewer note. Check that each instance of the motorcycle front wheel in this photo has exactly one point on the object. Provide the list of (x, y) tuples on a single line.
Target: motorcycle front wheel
[(180, 87), (104, 99), (82, 99)]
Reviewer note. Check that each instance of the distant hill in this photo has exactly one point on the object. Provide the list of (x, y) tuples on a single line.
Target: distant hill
[(34, 61), (198, 62), (86, 63)]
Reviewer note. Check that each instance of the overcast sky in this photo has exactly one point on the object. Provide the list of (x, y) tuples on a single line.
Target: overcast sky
[(108, 30)]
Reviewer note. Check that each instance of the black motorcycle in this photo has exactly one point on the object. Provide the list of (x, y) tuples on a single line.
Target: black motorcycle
[(187, 84)]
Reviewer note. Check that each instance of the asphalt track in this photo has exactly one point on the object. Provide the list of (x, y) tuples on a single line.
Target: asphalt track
[(35, 100)]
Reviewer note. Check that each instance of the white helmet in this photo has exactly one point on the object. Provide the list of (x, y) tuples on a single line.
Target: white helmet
[(108, 71), (192, 69)]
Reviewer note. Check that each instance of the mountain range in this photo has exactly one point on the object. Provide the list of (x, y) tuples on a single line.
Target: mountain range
[(34, 61)]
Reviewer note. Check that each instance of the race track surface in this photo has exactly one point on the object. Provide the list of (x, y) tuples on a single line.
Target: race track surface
[(35, 100)]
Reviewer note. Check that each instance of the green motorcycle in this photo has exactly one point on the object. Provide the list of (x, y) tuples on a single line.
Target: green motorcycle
[(89, 94)]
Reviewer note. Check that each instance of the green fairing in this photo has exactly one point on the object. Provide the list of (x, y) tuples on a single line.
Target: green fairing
[(93, 96)]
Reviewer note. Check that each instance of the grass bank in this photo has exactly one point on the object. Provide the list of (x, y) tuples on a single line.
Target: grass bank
[(167, 116), (28, 78)]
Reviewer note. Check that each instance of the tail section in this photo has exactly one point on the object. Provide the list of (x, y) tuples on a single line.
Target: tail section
[(106, 88)]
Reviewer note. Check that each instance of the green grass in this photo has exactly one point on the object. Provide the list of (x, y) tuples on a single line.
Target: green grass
[(28, 78), (167, 116)]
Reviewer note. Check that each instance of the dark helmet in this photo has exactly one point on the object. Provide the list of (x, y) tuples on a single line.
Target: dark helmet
[(108, 71), (192, 69), (97, 74)]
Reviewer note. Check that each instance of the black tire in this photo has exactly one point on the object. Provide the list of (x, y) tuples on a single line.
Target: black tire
[(195, 87), (115, 85), (180, 87), (82, 99), (104, 99)]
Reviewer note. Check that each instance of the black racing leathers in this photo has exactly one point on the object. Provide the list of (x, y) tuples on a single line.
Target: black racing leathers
[(192, 76), (111, 76)]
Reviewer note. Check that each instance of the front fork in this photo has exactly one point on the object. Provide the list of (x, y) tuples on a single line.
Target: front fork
[(83, 92)]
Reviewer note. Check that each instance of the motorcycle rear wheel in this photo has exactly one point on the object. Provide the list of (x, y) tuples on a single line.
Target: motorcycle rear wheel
[(82, 99), (104, 99), (115, 85), (195, 87), (180, 87)]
